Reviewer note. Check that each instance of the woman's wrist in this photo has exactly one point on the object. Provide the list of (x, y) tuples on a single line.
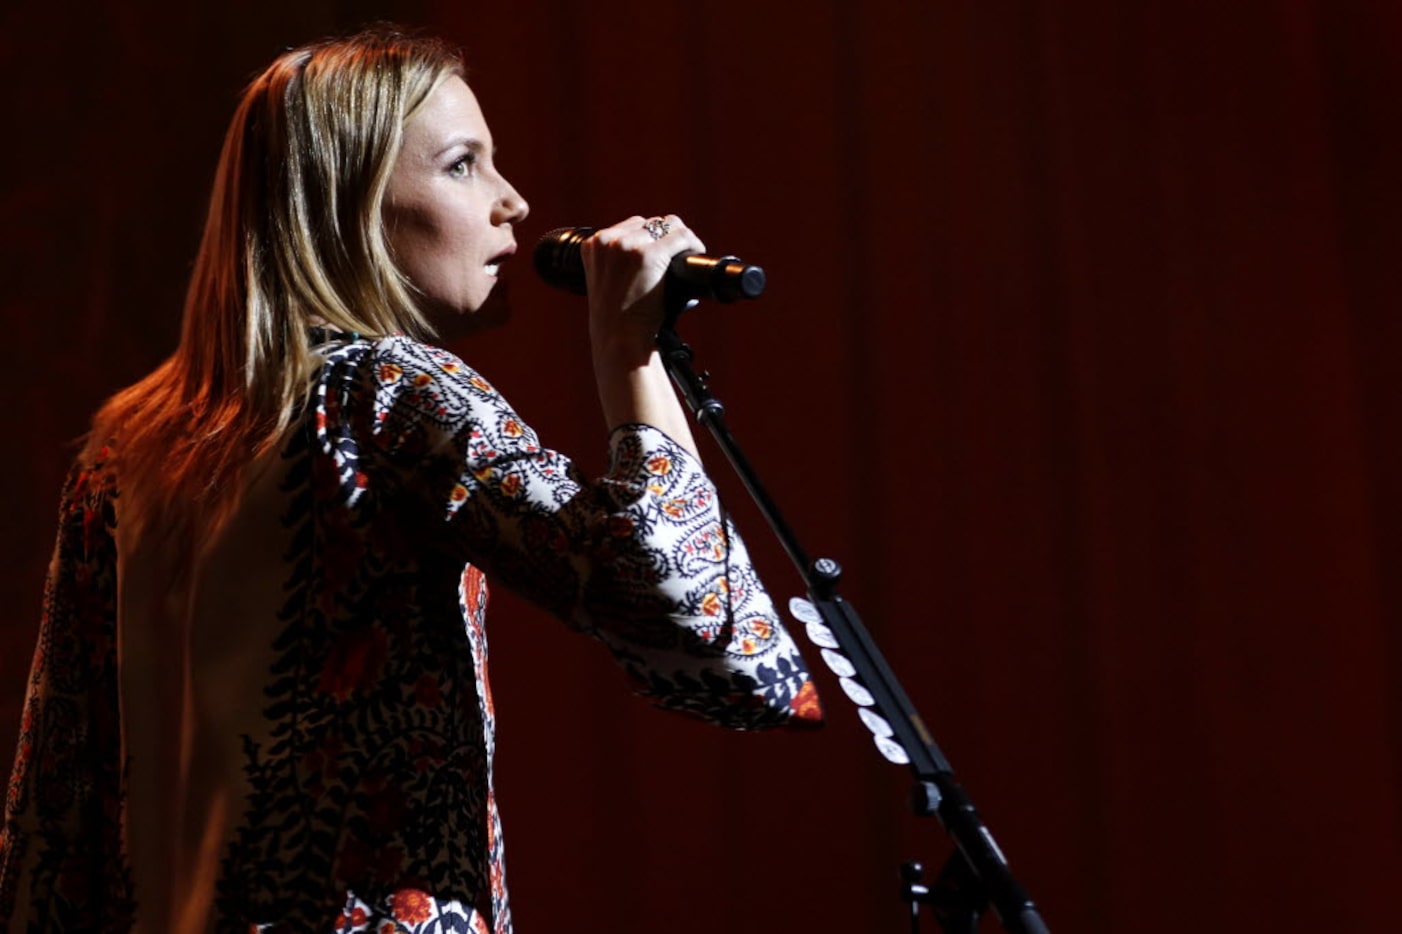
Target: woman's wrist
[(622, 350), (634, 387)]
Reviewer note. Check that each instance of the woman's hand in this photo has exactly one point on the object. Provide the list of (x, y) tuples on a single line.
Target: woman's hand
[(626, 267)]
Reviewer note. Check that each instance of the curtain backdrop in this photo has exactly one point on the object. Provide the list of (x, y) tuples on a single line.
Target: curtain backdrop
[(1077, 353)]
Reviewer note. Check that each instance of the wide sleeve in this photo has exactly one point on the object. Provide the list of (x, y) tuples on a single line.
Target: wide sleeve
[(61, 862), (644, 558)]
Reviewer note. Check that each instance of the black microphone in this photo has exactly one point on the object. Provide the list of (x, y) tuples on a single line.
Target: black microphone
[(694, 275)]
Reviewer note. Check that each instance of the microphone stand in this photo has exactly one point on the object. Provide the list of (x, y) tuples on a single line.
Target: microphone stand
[(976, 874)]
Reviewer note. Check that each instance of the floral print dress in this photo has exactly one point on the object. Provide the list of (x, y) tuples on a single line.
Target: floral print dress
[(334, 719)]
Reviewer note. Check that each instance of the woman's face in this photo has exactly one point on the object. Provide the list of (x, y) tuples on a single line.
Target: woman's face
[(448, 212)]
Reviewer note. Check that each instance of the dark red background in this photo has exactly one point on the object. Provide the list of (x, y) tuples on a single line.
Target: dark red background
[(1077, 353)]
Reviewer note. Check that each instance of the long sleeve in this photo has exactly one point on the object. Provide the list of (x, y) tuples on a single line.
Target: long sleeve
[(644, 559), (61, 859)]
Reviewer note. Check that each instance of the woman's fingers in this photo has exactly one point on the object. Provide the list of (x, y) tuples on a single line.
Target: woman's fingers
[(625, 265), (637, 233), (672, 235)]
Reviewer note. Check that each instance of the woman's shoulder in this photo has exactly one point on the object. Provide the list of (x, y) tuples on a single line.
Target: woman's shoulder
[(399, 363), (418, 395)]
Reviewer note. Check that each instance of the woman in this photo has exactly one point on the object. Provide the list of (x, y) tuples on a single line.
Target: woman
[(260, 695)]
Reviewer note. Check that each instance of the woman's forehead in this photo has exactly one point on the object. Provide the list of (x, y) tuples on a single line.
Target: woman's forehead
[(449, 115)]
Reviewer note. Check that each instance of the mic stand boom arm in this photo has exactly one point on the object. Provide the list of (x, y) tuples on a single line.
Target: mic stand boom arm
[(976, 873)]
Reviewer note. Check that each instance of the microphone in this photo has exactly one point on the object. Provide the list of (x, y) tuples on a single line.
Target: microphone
[(694, 275)]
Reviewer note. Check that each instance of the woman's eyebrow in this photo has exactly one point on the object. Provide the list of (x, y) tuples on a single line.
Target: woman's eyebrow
[(471, 143)]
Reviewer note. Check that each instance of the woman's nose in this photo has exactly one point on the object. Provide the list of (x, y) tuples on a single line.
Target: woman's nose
[(511, 207)]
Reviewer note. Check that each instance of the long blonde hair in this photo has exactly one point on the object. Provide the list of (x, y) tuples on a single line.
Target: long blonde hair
[(294, 238)]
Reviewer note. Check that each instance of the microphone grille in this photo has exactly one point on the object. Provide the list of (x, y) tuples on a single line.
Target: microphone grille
[(557, 259)]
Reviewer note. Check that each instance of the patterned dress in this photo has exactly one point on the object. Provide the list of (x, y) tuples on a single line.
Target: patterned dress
[(302, 706)]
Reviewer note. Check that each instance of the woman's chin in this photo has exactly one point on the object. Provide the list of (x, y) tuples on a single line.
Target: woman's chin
[(493, 312)]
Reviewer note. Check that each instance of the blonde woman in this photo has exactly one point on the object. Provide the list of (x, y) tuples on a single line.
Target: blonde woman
[(260, 696)]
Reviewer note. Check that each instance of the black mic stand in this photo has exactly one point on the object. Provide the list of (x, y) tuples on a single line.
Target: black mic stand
[(976, 873)]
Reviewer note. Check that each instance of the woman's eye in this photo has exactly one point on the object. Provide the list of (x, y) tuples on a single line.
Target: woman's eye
[(463, 167)]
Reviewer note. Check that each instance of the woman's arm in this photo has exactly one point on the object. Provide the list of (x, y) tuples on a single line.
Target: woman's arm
[(625, 266), (643, 558)]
